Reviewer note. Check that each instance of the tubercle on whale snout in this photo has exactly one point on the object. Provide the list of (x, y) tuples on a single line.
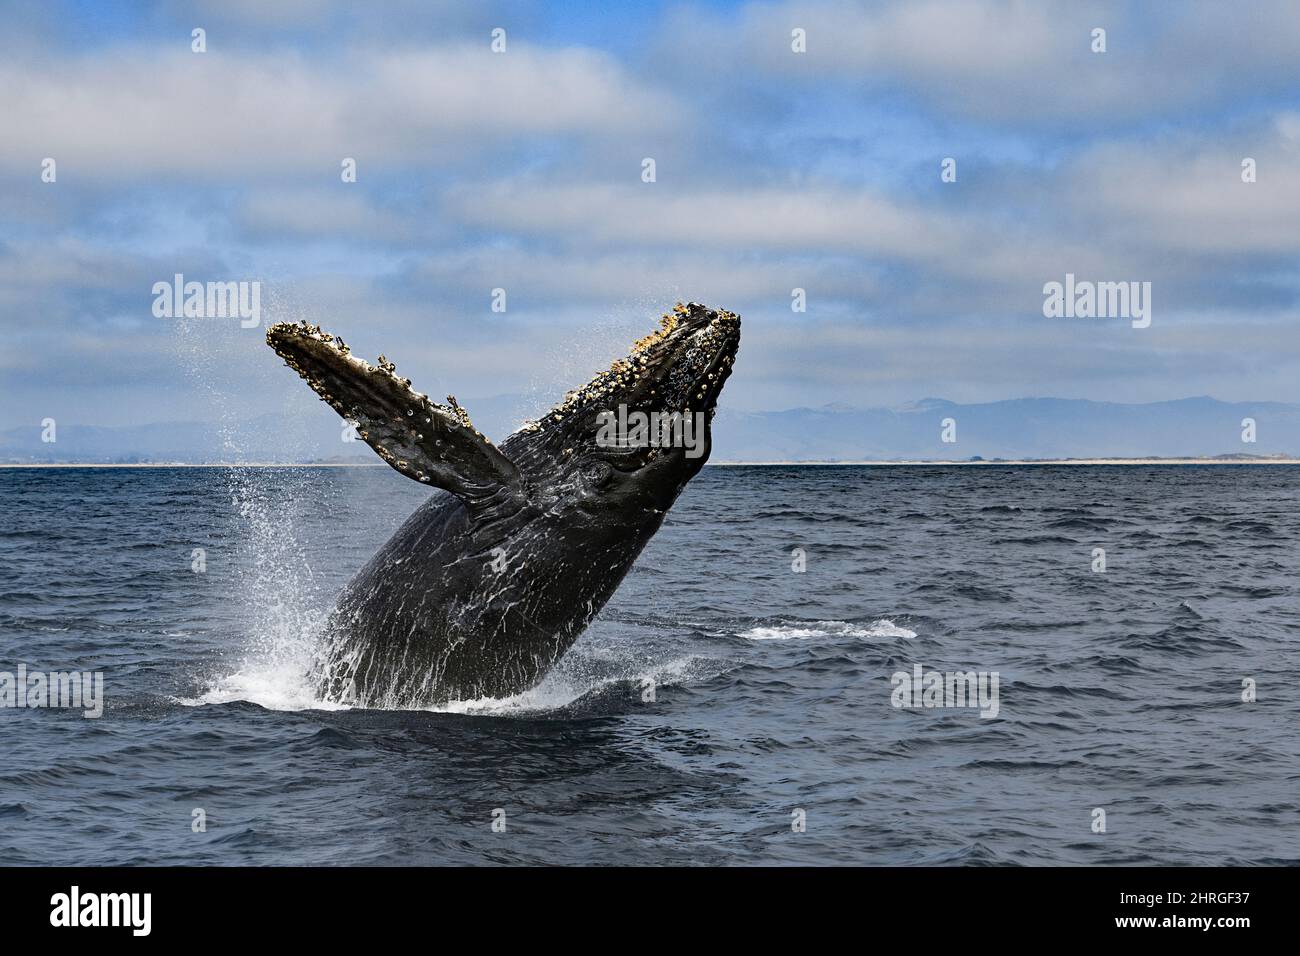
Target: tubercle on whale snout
[(713, 336)]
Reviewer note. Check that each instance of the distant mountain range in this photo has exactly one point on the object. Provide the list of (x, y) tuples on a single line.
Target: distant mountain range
[(1019, 428), (1015, 429)]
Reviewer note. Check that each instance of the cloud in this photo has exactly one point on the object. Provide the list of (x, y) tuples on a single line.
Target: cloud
[(1186, 193), (305, 214), (658, 214), (245, 20), (135, 112), (1012, 63)]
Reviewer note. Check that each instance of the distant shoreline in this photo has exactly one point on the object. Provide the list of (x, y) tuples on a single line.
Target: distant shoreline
[(210, 464), (911, 463), (1022, 461)]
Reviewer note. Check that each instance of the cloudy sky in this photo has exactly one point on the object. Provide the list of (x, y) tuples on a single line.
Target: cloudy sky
[(522, 170)]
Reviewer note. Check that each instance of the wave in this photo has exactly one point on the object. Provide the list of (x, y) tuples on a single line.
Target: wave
[(786, 632)]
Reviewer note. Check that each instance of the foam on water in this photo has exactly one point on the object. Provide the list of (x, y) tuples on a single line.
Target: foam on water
[(786, 632), (283, 688), (562, 687), (286, 688)]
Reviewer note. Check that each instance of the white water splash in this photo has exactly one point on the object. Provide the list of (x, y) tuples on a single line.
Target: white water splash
[(285, 608), (285, 690), (275, 688), (785, 632), (282, 608)]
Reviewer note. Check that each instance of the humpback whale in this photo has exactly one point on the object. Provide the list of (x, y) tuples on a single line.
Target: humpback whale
[(495, 576)]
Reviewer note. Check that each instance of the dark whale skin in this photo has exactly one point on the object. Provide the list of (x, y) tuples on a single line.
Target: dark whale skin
[(430, 619)]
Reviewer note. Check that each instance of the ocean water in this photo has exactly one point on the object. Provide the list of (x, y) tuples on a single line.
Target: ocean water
[(773, 691)]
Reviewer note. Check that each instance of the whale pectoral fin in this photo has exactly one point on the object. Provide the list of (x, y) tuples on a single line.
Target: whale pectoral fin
[(427, 442)]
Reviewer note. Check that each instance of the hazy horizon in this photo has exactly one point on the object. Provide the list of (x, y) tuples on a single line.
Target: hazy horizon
[(929, 429)]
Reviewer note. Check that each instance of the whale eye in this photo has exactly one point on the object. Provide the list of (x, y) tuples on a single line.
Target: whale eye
[(597, 473)]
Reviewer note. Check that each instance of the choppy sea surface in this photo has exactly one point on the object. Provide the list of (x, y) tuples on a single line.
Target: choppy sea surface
[(773, 694)]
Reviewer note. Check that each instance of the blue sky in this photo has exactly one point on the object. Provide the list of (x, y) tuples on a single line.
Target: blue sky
[(522, 170)]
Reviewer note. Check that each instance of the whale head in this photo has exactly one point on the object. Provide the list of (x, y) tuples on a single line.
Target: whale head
[(630, 439)]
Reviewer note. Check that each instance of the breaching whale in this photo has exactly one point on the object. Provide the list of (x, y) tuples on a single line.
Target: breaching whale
[(496, 575)]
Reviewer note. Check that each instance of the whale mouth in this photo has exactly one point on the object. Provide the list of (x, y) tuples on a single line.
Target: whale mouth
[(679, 367)]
